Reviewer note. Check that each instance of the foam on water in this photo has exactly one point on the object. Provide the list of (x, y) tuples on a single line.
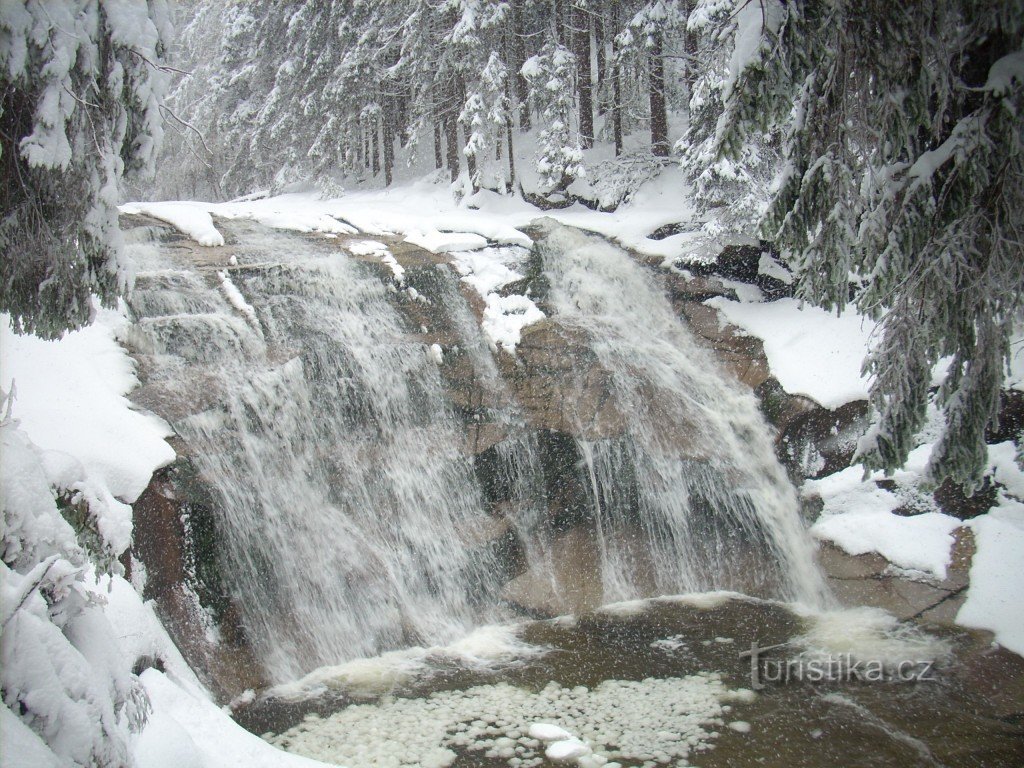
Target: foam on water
[(868, 635), (489, 647), (667, 720)]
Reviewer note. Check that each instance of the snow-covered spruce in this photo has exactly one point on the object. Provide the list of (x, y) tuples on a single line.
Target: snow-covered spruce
[(83, 85)]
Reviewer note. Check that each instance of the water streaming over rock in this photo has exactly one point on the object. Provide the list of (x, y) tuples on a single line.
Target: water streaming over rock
[(690, 497), (346, 509), (350, 516)]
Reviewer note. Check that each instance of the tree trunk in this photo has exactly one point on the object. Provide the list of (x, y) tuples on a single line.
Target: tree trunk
[(511, 158), (690, 49), (438, 154), (474, 178), (600, 39), (659, 117), (580, 32), (389, 152), (518, 59), (616, 84), (452, 141), (375, 139)]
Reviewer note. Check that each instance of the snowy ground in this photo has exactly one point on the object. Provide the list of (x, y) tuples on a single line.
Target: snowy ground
[(70, 402), (819, 355)]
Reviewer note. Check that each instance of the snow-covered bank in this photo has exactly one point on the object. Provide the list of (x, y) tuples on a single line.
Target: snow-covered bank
[(426, 212), (67, 661), (70, 400), (810, 351)]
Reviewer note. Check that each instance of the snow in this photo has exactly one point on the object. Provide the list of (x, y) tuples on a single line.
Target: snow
[(141, 633), (70, 401), (567, 750), (366, 248), (187, 726), (488, 270), (1002, 74), (22, 748), (1015, 376), (1003, 464), (548, 732), (858, 517), (997, 573), (426, 212), (754, 22), (810, 351), (919, 542), (770, 266), (506, 316), (237, 300), (191, 219), (446, 242)]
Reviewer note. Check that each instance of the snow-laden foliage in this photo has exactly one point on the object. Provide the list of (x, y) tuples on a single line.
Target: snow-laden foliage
[(330, 92), (69, 695), (487, 116), (903, 169), (81, 86), (615, 181), (734, 189), (551, 74)]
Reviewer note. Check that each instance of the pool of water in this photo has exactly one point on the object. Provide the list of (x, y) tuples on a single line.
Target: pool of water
[(663, 682)]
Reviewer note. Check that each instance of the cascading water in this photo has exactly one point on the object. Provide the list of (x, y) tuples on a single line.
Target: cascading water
[(690, 497), (516, 467), (350, 516), (346, 508)]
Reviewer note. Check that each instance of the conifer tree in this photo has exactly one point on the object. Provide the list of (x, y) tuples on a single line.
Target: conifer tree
[(551, 74), (81, 88), (904, 168)]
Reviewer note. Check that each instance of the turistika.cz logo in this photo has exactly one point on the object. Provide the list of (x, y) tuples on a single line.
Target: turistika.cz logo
[(830, 668)]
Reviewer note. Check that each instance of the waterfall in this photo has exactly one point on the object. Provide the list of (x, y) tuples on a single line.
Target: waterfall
[(690, 497), (351, 516), (351, 521)]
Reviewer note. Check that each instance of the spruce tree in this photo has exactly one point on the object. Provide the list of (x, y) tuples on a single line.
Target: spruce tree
[(903, 185), (81, 84)]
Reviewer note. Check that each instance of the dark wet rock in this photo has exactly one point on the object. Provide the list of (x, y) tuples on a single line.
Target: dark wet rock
[(817, 442), (534, 284), (870, 580), (573, 584), (779, 407), (952, 500), (1011, 418), (558, 383), (176, 541), (740, 354), (668, 230), (742, 263), (683, 286)]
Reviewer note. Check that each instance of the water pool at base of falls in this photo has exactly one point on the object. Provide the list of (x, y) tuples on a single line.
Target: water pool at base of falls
[(655, 682)]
